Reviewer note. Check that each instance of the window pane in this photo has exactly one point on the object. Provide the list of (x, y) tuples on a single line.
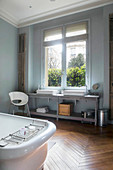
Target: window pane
[(76, 29), (53, 34), (76, 63), (53, 65)]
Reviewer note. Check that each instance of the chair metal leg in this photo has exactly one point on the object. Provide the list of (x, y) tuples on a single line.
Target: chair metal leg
[(28, 111), (23, 110), (10, 108), (13, 109)]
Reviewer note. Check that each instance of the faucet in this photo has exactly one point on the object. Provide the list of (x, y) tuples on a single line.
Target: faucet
[(87, 91)]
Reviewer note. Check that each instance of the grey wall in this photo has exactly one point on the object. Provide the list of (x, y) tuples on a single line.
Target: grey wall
[(98, 47), (8, 63)]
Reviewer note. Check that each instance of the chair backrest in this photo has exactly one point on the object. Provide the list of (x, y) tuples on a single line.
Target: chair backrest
[(18, 96)]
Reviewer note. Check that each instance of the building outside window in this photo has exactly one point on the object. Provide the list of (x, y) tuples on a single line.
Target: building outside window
[(65, 56)]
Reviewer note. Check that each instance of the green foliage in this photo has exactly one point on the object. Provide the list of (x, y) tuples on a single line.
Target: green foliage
[(54, 77), (75, 77), (76, 61)]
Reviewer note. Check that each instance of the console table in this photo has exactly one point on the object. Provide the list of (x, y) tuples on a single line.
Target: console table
[(59, 97)]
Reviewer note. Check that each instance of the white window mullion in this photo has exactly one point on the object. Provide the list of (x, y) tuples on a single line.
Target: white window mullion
[(42, 80), (64, 66), (63, 61), (88, 59)]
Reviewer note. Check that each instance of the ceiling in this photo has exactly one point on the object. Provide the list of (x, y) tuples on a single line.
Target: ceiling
[(26, 12)]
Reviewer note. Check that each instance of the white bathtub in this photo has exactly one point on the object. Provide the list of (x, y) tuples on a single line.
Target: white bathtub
[(20, 152)]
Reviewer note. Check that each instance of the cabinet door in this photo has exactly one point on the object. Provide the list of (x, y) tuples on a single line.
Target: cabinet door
[(21, 72), (111, 106), (111, 65), (111, 54), (111, 80), (21, 63)]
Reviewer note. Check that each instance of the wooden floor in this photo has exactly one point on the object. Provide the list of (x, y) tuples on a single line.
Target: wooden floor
[(80, 146)]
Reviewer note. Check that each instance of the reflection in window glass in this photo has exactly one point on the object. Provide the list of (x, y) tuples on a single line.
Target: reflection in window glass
[(53, 65), (76, 63)]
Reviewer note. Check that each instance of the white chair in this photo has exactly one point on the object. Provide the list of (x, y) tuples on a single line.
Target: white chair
[(19, 99)]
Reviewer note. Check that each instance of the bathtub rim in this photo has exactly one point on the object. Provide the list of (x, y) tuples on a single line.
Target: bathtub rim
[(27, 146)]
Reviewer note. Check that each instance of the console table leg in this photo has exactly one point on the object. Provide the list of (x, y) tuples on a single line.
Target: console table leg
[(57, 108), (96, 109)]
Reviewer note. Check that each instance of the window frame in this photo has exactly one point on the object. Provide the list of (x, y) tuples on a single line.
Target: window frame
[(63, 41)]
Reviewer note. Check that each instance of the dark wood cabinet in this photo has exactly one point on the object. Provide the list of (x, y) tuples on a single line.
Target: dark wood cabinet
[(21, 62), (111, 65)]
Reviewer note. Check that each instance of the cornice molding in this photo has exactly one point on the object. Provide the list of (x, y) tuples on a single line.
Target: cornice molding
[(59, 12), (8, 18)]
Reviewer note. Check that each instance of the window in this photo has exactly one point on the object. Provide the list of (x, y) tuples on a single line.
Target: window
[(76, 29), (65, 56), (53, 34), (76, 63), (53, 65)]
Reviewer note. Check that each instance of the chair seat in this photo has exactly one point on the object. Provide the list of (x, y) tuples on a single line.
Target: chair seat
[(18, 102), (19, 99)]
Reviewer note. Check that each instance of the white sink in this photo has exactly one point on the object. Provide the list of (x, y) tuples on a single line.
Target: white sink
[(89, 95), (65, 92), (47, 92), (74, 92)]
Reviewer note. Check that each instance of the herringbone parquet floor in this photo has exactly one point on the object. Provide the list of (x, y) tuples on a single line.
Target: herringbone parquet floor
[(80, 147)]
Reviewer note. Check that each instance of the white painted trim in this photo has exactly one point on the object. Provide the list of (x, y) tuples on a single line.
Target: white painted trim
[(42, 62), (8, 18), (89, 78), (59, 12)]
